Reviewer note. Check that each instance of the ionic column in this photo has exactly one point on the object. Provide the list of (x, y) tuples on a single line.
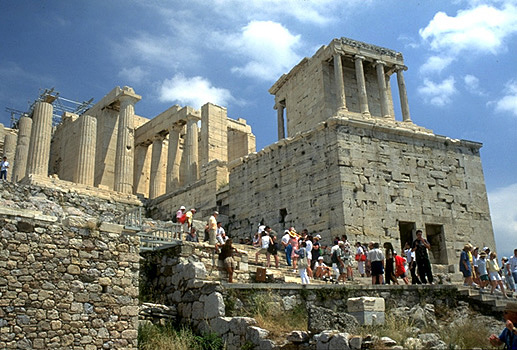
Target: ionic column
[(10, 151), (280, 120), (340, 83), (22, 148), (173, 159), (404, 105), (156, 176), (124, 156), (191, 148), (381, 80), (39, 148), (85, 168), (361, 85)]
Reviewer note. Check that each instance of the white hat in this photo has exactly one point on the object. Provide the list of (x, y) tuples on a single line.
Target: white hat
[(318, 237), (320, 258), (182, 207)]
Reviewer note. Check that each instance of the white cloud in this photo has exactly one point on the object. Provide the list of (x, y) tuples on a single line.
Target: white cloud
[(436, 64), (195, 92), (504, 217), (482, 28), (132, 75), (472, 85), (508, 103), (267, 47), (438, 94)]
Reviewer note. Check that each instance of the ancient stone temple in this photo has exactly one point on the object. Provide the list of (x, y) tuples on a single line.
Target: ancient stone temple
[(344, 163)]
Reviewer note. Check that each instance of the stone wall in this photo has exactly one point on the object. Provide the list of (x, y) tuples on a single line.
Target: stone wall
[(370, 181), (67, 280)]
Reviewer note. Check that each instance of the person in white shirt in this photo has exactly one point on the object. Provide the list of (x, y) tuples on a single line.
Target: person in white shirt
[(513, 265), (4, 165), (322, 270), (410, 259), (264, 244), (220, 235)]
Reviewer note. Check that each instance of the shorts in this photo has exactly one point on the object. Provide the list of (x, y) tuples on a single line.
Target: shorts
[(229, 262), (483, 277), (494, 276), (466, 273), (377, 268), (338, 268)]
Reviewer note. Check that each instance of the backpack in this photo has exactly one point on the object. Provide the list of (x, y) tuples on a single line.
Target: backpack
[(174, 218), (334, 258)]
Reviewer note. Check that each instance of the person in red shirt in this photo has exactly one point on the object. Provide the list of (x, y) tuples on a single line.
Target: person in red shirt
[(400, 270)]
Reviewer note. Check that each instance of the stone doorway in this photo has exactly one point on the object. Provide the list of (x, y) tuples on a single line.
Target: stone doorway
[(436, 238), (407, 230)]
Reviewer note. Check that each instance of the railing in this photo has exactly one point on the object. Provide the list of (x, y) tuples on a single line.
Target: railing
[(131, 219), (160, 237)]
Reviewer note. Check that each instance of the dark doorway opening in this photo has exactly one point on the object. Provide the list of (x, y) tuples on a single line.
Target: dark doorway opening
[(407, 231), (436, 238)]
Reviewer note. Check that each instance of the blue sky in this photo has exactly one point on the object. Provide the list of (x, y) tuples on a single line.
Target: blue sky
[(461, 82)]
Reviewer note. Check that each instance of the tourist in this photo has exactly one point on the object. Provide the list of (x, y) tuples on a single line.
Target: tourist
[(420, 246), (190, 218), (349, 260), (321, 270), (212, 227), (302, 265), (264, 245), (180, 215), (410, 259), (316, 250), (308, 248), (220, 234), (483, 273), (513, 265), (475, 267), (508, 336), (389, 270), (493, 274), (471, 261), (376, 259), (206, 233), (367, 265), (226, 255), (507, 274), (360, 257), (400, 269), (192, 236), (4, 165), (465, 266), (293, 240), (338, 263), (272, 248), (288, 248)]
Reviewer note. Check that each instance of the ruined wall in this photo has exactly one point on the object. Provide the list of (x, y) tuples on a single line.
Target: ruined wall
[(365, 180), (66, 280)]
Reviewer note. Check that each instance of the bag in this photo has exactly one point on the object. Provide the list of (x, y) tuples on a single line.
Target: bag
[(363, 257), (174, 218), (358, 257), (334, 258), (183, 219), (302, 264)]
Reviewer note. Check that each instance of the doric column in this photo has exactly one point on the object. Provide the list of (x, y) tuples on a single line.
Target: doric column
[(156, 176), (280, 120), (173, 159), (22, 148), (10, 151), (124, 156), (381, 80), (191, 148), (85, 167), (404, 105), (361, 85), (340, 83), (41, 133)]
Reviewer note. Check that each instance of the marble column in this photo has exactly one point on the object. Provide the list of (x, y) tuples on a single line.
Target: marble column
[(191, 148), (156, 176), (85, 167), (404, 105), (41, 133), (173, 159), (361, 85), (280, 120), (124, 156), (22, 148), (10, 141), (381, 81), (340, 83)]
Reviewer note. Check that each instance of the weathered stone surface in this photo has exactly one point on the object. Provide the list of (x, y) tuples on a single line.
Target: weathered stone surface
[(339, 341), (214, 305), (321, 319), (298, 337)]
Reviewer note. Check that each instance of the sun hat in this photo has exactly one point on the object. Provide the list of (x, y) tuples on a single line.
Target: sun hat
[(183, 207), (318, 237), (320, 258)]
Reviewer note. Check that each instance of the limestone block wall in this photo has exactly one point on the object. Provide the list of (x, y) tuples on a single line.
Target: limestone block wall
[(200, 195), (66, 285), (64, 147), (369, 181)]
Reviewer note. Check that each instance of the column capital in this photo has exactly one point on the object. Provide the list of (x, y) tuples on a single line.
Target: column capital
[(400, 68), (193, 117), (359, 57), (379, 62)]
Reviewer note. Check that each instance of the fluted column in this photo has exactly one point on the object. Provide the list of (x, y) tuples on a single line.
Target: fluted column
[(192, 148), (361, 85), (41, 133), (173, 159), (124, 156), (85, 168), (280, 120), (155, 183), (340, 83), (10, 151), (381, 80), (22, 148), (404, 105)]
